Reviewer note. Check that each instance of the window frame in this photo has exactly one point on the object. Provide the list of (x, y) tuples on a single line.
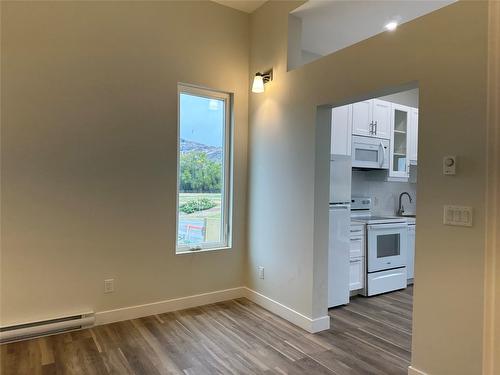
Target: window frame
[(227, 180)]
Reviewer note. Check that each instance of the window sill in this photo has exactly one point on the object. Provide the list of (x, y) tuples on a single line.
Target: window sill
[(190, 252)]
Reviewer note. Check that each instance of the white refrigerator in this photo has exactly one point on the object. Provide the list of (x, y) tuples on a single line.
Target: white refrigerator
[(339, 230)]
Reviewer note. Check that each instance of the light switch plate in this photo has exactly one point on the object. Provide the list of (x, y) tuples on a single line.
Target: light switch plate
[(109, 285), (449, 165), (457, 215), (260, 269)]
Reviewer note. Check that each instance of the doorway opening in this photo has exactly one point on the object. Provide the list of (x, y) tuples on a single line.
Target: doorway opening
[(372, 222)]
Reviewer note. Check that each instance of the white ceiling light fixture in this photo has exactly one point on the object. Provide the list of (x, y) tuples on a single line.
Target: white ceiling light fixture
[(391, 26), (260, 79)]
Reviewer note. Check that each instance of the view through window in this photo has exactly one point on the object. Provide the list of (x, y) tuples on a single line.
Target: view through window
[(203, 199)]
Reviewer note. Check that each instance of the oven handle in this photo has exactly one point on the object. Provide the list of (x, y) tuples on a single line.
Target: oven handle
[(387, 226)]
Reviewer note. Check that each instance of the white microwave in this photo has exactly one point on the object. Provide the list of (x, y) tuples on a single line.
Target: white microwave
[(370, 153)]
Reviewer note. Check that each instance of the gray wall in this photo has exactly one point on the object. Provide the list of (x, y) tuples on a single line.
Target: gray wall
[(288, 174), (89, 114)]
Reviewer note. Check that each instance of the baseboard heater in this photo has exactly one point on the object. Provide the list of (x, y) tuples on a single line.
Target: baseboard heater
[(25, 331)]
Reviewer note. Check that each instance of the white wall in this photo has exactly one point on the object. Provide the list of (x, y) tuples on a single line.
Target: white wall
[(408, 97), (289, 168), (89, 111), (385, 194)]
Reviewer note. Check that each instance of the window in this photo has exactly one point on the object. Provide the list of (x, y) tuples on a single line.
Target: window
[(203, 170)]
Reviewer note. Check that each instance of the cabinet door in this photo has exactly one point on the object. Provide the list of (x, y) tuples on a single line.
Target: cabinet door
[(341, 130), (356, 274), (410, 261), (382, 118), (357, 247), (362, 118), (413, 136), (399, 160)]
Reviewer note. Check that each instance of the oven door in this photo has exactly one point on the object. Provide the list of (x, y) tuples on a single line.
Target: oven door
[(387, 246), (369, 153)]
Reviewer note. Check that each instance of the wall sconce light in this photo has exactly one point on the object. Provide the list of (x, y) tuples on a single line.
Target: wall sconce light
[(260, 79)]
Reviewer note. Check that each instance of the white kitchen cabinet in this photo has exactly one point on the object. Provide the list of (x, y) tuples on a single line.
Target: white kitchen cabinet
[(357, 241), (399, 166), (371, 118), (357, 247), (357, 257), (410, 261), (413, 136), (381, 118), (356, 273), (362, 118), (341, 130)]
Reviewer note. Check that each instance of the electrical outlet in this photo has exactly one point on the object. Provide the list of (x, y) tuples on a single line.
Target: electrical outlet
[(261, 272), (109, 285)]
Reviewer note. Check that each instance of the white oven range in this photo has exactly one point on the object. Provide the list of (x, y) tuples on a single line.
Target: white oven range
[(386, 248)]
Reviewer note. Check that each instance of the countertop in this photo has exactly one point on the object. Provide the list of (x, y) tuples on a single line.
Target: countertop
[(409, 220)]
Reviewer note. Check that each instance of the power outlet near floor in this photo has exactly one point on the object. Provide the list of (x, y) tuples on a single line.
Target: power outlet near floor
[(109, 285), (260, 270)]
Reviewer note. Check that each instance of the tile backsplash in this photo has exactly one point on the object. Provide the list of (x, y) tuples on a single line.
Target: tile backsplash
[(385, 194)]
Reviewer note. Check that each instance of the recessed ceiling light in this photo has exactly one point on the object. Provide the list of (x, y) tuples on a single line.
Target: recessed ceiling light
[(391, 26)]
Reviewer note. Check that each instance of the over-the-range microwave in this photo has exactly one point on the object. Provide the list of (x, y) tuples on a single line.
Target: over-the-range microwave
[(370, 153)]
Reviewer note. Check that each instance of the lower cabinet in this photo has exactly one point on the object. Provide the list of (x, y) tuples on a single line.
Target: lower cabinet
[(356, 273), (357, 257)]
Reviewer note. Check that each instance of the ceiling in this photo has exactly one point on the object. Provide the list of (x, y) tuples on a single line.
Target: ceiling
[(330, 25), (247, 6)]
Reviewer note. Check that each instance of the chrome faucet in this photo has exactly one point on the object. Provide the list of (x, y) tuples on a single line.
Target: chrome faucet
[(401, 209)]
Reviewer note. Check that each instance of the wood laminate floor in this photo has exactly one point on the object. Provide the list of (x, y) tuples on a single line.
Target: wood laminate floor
[(368, 336)]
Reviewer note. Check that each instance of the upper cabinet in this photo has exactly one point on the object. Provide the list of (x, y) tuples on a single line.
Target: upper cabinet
[(400, 141), (341, 130), (362, 122), (371, 118), (413, 136), (381, 118), (377, 118)]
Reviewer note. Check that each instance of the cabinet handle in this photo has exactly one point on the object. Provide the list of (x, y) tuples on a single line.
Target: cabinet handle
[(381, 148), (375, 124), (370, 129)]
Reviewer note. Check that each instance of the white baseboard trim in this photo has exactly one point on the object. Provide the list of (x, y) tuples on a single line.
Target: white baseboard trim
[(139, 311), (413, 371), (285, 312)]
